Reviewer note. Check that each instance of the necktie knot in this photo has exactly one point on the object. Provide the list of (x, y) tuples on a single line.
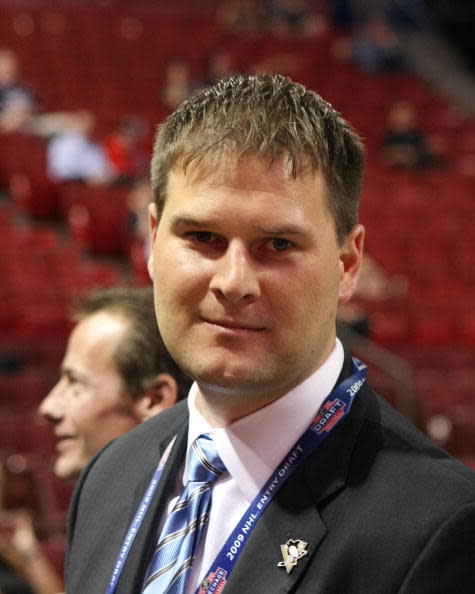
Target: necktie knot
[(205, 464)]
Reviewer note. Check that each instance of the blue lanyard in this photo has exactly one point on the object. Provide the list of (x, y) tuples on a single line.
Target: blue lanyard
[(335, 407), (137, 520)]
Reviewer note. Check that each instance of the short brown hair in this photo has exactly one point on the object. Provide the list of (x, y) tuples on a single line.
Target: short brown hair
[(141, 355), (265, 116)]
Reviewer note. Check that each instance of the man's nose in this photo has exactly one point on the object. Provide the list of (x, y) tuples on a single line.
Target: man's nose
[(236, 278), (52, 405)]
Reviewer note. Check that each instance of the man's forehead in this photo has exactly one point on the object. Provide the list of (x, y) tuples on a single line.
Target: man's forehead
[(97, 334), (239, 191), (243, 169)]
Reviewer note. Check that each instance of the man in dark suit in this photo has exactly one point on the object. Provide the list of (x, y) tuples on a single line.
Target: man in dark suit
[(325, 488)]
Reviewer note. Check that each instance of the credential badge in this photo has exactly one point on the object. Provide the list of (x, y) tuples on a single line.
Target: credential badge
[(292, 551)]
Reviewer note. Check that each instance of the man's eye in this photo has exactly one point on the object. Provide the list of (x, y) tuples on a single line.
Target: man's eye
[(208, 239), (201, 236), (279, 244)]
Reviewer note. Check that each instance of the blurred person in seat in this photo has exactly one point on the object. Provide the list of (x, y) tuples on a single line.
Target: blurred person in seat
[(293, 18), (177, 84), (115, 374), (138, 201), (375, 285), (125, 154), (24, 566), (376, 48), (73, 154), (405, 145), (18, 102)]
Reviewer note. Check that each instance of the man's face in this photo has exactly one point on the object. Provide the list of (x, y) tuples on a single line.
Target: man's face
[(248, 275), (88, 406)]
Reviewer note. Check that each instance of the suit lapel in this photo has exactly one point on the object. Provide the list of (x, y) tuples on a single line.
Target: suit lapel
[(137, 561), (291, 515)]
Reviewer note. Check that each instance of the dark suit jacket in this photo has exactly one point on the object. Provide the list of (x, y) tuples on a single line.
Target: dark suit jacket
[(382, 509)]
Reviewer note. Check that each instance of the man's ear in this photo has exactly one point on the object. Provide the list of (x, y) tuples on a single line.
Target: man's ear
[(153, 223), (161, 393), (351, 254)]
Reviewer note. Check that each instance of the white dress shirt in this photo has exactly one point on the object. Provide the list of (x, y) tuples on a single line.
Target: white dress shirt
[(251, 448)]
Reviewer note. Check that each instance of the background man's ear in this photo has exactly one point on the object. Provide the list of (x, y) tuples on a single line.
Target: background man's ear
[(161, 393)]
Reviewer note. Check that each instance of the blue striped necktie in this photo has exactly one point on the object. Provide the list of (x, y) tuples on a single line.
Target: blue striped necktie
[(171, 561)]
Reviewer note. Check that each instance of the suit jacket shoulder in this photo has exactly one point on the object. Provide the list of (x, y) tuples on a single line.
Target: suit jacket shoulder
[(381, 508)]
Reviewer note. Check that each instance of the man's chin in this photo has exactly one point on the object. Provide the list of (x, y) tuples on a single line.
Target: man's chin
[(66, 470), (238, 383), (224, 380)]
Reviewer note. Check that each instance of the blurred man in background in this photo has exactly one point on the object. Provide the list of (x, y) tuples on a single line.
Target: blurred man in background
[(115, 374)]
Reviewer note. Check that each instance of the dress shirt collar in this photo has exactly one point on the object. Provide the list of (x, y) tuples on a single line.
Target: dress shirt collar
[(252, 447)]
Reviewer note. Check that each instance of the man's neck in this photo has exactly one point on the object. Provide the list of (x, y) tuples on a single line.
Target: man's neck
[(220, 410), (222, 406)]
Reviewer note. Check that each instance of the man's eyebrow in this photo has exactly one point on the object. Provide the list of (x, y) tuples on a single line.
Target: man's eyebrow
[(69, 372), (190, 221), (276, 231)]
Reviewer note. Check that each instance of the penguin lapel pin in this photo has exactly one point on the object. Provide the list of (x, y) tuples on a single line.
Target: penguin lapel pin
[(292, 551)]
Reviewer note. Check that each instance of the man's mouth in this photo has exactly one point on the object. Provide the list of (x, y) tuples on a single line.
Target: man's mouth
[(235, 325), (63, 440)]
